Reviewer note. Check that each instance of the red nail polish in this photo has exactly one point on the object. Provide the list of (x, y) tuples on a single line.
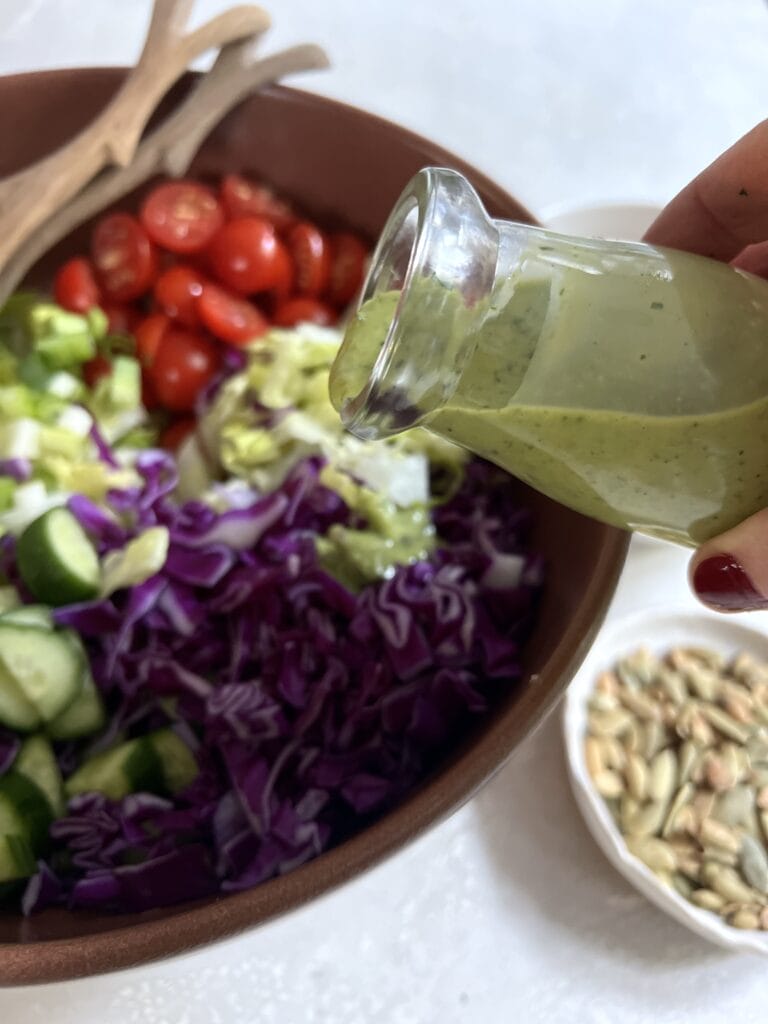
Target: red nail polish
[(722, 581)]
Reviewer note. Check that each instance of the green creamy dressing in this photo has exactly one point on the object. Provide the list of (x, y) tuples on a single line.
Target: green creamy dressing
[(649, 412), (392, 535)]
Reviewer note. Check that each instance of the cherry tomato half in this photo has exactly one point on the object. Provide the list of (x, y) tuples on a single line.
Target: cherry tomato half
[(176, 291), (182, 216), (302, 310), (311, 255), (183, 365), (244, 256), (95, 369), (148, 335), (244, 198), (176, 433), (124, 257), (74, 286), (229, 317), (285, 275), (347, 268)]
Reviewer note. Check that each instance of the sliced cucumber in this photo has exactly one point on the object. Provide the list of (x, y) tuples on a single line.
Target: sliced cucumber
[(57, 560), (84, 716), (37, 762), (16, 858), (131, 767), (29, 615), (178, 762), (45, 665), (24, 810), (160, 763), (15, 710)]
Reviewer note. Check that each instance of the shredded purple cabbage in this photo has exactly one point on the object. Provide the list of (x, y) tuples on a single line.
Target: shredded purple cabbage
[(311, 709)]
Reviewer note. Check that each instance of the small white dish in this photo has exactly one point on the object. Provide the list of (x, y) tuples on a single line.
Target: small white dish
[(659, 629)]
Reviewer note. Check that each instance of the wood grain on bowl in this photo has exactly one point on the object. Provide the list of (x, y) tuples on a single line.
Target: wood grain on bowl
[(345, 167)]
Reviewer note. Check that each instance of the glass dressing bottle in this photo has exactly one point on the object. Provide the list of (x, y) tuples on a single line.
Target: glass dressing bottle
[(626, 381)]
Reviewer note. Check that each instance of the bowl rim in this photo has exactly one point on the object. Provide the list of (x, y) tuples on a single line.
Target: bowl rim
[(654, 627), (139, 942)]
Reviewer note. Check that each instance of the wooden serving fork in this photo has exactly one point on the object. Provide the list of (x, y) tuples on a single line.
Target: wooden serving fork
[(42, 203)]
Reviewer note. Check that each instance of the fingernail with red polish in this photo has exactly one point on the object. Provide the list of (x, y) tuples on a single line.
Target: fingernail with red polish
[(722, 582)]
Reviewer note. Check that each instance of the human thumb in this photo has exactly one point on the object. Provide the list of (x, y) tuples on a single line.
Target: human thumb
[(730, 572)]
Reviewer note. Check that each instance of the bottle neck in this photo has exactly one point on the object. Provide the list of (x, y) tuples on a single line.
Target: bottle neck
[(429, 289)]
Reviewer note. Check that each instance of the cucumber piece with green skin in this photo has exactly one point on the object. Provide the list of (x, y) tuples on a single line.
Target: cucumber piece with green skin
[(16, 859), (37, 762), (179, 766), (15, 710), (159, 762), (84, 716), (38, 615), (131, 767), (45, 665), (57, 560), (24, 810)]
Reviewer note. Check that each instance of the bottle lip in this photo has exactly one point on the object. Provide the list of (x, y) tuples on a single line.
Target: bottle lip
[(418, 199)]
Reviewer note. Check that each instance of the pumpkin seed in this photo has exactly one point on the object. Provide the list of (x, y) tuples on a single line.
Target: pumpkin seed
[(628, 808), (681, 798), (662, 776), (647, 820), (614, 754), (734, 807), (707, 899), (754, 863), (673, 685), (746, 919), (714, 833), (682, 884), (603, 702), (636, 773), (593, 755), (609, 783), (654, 738), (686, 760), (609, 723), (730, 886), (655, 853), (607, 683), (724, 723)]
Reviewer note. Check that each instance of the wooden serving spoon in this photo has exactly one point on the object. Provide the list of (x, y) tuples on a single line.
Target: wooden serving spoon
[(29, 197), (171, 147)]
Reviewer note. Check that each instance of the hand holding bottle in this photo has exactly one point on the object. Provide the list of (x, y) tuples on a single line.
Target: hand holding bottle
[(723, 213)]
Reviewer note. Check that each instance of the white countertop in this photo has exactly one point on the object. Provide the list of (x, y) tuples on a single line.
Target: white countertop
[(508, 911)]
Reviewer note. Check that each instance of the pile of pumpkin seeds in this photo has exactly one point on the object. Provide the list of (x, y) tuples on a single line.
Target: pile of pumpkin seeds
[(678, 748)]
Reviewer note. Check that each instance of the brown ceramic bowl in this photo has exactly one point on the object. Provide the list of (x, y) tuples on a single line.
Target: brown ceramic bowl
[(342, 166)]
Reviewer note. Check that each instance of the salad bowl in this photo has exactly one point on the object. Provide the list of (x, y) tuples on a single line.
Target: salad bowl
[(345, 168)]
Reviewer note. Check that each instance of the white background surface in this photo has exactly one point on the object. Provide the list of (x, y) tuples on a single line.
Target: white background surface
[(508, 911)]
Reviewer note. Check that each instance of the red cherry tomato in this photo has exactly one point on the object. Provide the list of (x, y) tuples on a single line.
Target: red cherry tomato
[(176, 433), (244, 256), (229, 317), (311, 255), (121, 319), (176, 291), (303, 310), (243, 198), (124, 257), (95, 369), (183, 365), (285, 275), (347, 268), (74, 286), (148, 335), (182, 216)]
